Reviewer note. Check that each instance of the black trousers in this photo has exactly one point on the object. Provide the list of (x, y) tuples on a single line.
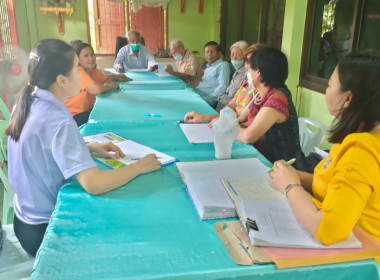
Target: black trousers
[(81, 118), (30, 236)]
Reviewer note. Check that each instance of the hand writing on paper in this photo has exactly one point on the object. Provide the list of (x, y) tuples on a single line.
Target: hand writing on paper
[(283, 175), (148, 163), (106, 150), (193, 117), (169, 69)]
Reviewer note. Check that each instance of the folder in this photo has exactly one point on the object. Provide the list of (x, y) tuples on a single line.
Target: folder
[(236, 241)]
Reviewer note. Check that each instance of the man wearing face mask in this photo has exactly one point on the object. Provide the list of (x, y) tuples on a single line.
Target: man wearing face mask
[(239, 76), (134, 55), (188, 66), (216, 76)]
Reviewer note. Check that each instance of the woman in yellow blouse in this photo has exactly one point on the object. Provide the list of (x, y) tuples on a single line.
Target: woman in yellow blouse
[(345, 188)]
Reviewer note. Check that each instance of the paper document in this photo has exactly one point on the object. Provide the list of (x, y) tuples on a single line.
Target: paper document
[(137, 70), (103, 138), (133, 151), (278, 227), (161, 68), (256, 187), (205, 188), (198, 133)]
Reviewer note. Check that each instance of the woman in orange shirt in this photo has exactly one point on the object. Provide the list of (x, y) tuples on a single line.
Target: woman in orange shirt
[(94, 82)]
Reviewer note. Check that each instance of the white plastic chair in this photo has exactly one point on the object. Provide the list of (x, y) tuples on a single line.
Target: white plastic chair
[(8, 210), (15, 262), (312, 133)]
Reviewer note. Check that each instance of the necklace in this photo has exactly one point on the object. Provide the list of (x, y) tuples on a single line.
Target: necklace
[(257, 99)]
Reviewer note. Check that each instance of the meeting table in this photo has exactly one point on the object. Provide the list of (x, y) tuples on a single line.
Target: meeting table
[(149, 228)]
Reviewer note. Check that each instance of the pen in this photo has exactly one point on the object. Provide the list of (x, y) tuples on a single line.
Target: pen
[(289, 162), (180, 122), (138, 158), (152, 115)]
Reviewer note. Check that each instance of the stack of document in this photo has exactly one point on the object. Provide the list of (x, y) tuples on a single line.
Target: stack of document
[(276, 226), (268, 217), (210, 200), (133, 151), (206, 189)]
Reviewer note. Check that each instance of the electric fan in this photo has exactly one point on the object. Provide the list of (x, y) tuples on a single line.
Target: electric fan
[(13, 68), (13, 75)]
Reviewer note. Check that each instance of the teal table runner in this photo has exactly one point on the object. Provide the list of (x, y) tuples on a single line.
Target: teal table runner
[(137, 105), (149, 228)]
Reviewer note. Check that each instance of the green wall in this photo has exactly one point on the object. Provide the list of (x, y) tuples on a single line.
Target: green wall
[(33, 26), (193, 28), (309, 103)]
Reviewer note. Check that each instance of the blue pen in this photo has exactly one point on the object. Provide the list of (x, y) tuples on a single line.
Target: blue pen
[(152, 115), (289, 162)]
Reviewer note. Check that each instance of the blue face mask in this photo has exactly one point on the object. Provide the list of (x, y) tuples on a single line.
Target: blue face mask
[(237, 63), (135, 47), (178, 57)]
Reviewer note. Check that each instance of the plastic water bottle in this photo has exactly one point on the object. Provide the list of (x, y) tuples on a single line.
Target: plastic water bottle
[(225, 130)]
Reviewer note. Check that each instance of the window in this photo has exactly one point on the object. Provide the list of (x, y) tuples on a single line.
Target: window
[(8, 34), (253, 21), (333, 29)]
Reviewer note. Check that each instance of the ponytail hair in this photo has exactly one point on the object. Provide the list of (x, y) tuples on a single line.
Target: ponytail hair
[(48, 59)]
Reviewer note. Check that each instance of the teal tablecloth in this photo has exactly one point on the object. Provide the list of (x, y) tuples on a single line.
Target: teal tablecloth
[(148, 80), (149, 228), (167, 98), (134, 105)]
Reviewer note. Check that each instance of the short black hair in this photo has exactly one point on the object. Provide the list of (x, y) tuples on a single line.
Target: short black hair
[(272, 64), (358, 73), (75, 42), (213, 43), (80, 46)]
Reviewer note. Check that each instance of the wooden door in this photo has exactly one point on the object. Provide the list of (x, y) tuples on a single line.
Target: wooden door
[(109, 23), (149, 21)]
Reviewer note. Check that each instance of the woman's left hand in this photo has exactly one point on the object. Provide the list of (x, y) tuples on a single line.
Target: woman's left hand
[(106, 150), (122, 78), (283, 175)]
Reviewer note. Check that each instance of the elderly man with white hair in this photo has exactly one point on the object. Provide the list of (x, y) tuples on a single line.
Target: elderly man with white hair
[(188, 65), (237, 59), (134, 55)]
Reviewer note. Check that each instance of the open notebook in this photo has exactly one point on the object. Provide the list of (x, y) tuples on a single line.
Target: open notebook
[(202, 179), (268, 217), (133, 151)]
